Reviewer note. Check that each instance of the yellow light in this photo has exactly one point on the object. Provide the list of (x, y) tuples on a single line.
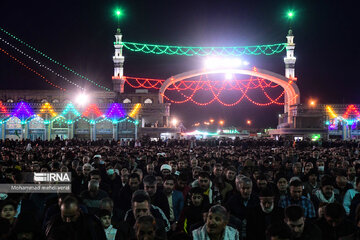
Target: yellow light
[(331, 111), (135, 110), (212, 120), (47, 108), (221, 122), (248, 122)]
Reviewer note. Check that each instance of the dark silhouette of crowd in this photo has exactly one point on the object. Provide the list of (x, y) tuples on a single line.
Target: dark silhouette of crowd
[(216, 189)]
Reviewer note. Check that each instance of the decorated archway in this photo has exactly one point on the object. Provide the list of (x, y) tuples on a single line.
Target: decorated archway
[(292, 93)]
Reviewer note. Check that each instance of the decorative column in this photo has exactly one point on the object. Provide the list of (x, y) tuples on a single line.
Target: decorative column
[(92, 131), (118, 59), (3, 129), (115, 131), (289, 61)]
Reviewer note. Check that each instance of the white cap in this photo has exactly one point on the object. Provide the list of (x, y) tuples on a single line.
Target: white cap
[(165, 167)]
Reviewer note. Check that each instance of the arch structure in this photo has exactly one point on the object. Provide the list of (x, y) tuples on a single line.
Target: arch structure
[(292, 93)]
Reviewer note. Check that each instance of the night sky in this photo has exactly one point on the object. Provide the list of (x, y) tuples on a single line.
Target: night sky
[(80, 34)]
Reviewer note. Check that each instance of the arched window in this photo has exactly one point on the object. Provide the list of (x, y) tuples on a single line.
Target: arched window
[(43, 101), (148, 100), (10, 101), (126, 100), (55, 101)]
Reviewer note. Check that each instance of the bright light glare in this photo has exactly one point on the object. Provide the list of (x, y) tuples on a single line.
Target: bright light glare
[(216, 62), (82, 99), (290, 14), (174, 122), (228, 76)]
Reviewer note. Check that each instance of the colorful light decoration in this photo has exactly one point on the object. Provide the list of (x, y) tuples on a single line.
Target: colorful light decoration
[(135, 110), (3, 110), (52, 60), (115, 112), (41, 65), (32, 70), (197, 132), (269, 49), (70, 115), (46, 108), (93, 112), (351, 110), (24, 112)]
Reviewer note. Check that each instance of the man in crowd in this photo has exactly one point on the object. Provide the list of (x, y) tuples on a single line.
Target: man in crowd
[(300, 228), (296, 198), (71, 223)]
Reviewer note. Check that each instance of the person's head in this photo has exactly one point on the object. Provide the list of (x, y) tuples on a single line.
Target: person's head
[(95, 175), (107, 204), (93, 186), (320, 165), (159, 180), (182, 164), (182, 181), (197, 196), (204, 180), (282, 184), (351, 172), (196, 171), (165, 169), (218, 170), (266, 197), (134, 181), (86, 169), (69, 209), (105, 217), (296, 189), (244, 186), (169, 184), (139, 172), (150, 185), (194, 163), (327, 187), (334, 214), (140, 203), (261, 181), (216, 221), (297, 168), (278, 231), (145, 228), (312, 175), (150, 169), (8, 210), (230, 173), (294, 218), (341, 181), (125, 177)]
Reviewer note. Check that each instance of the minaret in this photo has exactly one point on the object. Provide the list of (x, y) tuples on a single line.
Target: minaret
[(118, 58), (290, 60)]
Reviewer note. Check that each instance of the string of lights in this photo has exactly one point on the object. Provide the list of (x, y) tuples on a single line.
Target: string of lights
[(269, 49), (52, 60), (32, 70), (40, 64)]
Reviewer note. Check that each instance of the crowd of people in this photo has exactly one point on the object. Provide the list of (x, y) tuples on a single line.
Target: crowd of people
[(216, 189)]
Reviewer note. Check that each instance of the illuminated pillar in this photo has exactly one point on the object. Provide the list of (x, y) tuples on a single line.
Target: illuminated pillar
[(71, 130), (92, 132), (290, 59), (115, 131), (3, 131), (118, 59)]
